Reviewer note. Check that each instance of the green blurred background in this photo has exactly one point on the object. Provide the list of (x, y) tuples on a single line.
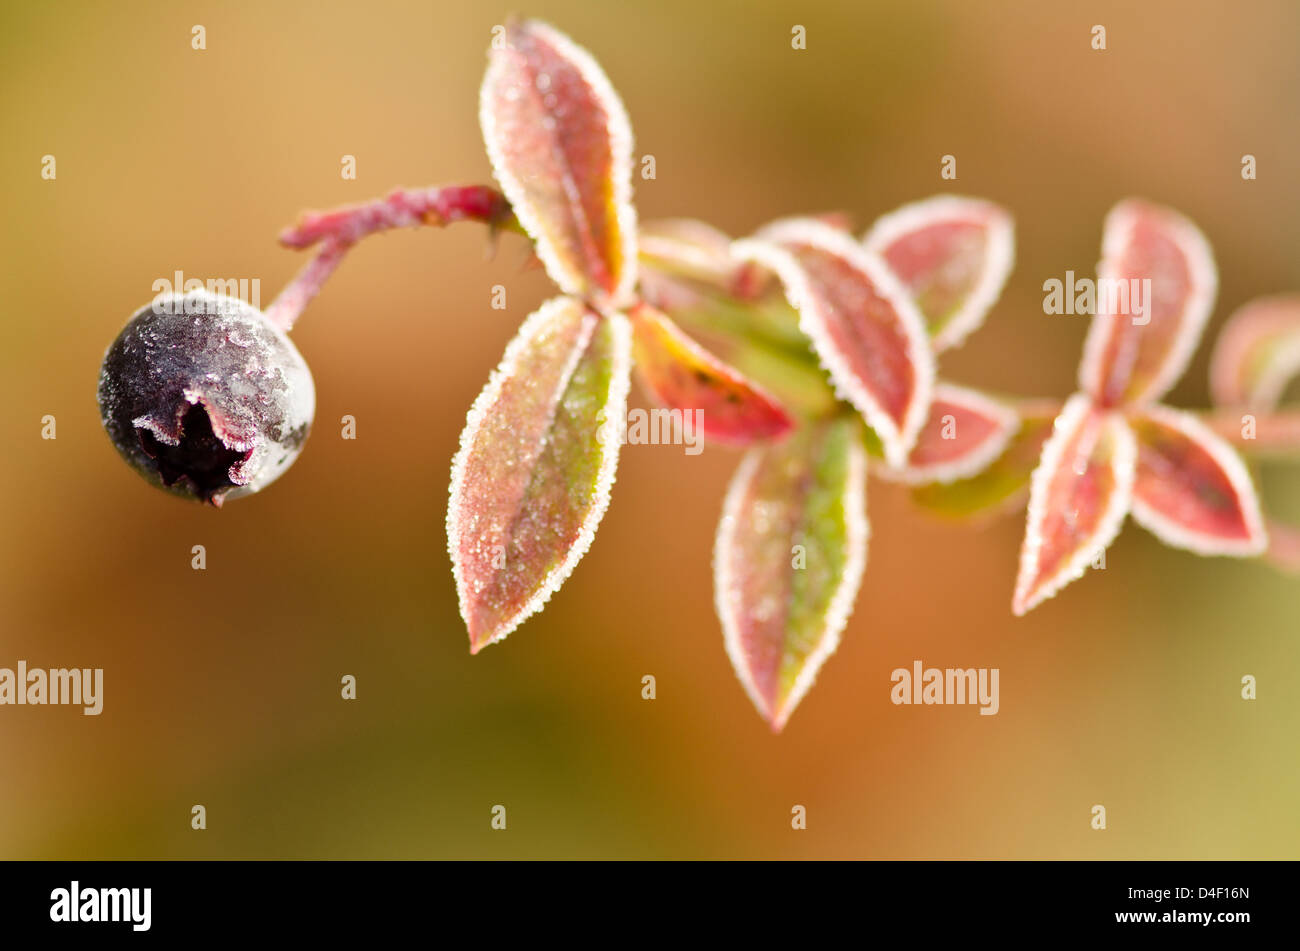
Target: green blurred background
[(222, 686)]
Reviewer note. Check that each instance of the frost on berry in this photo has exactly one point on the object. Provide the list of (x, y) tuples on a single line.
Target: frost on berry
[(1132, 358), (862, 323), (681, 374), (1078, 498), (204, 397), (789, 555), (561, 146), (1257, 354), (964, 433), (953, 254), (532, 478), (1192, 490)]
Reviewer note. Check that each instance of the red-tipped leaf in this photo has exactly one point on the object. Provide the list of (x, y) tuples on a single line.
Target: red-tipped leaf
[(789, 555), (682, 375), (1078, 498), (1192, 491), (953, 254), (1143, 335), (532, 478), (561, 147), (861, 321)]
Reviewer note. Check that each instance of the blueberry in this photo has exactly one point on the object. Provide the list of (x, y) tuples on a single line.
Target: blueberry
[(203, 396)]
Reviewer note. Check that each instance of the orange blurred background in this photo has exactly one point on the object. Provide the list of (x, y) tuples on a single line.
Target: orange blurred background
[(222, 686)]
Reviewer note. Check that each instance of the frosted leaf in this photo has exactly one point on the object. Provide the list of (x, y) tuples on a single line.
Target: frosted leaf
[(1078, 498), (1003, 485), (953, 254), (1135, 358), (687, 247), (532, 478), (562, 150), (862, 323), (680, 374), (1192, 490), (1257, 354), (781, 621), (965, 432)]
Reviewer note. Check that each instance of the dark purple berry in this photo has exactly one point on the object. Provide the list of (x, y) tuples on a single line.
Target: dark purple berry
[(203, 396)]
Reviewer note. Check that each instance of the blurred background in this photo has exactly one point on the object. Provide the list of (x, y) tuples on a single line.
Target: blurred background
[(222, 687)]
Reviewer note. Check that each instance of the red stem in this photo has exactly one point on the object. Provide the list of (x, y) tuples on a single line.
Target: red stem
[(343, 227), (403, 208), (297, 294)]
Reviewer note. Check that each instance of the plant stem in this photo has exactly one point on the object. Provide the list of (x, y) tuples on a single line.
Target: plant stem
[(403, 208), (338, 230), (297, 294)]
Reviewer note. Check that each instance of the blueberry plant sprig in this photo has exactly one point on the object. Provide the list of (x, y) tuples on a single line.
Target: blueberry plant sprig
[(842, 333), (1115, 449)]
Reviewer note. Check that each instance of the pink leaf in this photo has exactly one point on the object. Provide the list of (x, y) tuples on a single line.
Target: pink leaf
[(788, 558), (1131, 357), (682, 375), (1078, 498), (953, 254), (1192, 491), (1003, 486), (561, 147), (1257, 354), (536, 462), (862, 323), (965, 432)]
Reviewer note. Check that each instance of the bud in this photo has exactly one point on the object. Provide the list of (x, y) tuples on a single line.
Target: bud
[(203, 396)]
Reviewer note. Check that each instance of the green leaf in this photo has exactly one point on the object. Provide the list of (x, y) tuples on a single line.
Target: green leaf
[(788, 559), (536, 462)]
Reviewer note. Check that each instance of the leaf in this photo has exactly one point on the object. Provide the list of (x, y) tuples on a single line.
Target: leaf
[(561, 146), (688, 248), (1135, 359), (861, 321), (1078, 498), (797, 502), (965, 432), (536, 462), (1257, 354), (1192, 491), (760, 340), (1003, 485), (682, 375), (953, 254)]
